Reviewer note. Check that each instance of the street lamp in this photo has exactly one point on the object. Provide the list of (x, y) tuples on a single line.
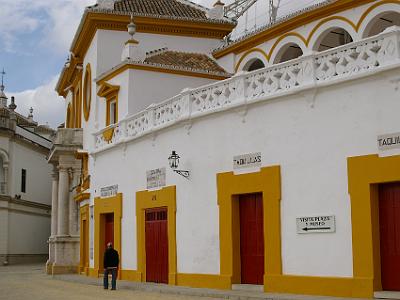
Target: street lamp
[(173, 160)]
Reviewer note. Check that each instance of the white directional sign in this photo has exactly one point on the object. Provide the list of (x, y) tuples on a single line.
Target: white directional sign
[(156, 178), (389, 141), (109, 191), (250, 160), (316, 224)]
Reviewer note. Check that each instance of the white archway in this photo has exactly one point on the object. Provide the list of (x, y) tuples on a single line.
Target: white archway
[(334, 33), (288, 52), (253, 64)]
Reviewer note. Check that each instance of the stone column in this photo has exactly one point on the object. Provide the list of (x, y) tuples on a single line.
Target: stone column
[(73, 207), (54, 202), (54, 217), (63, 199)]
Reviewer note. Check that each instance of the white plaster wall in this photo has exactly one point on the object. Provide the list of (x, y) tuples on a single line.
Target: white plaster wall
[(92, 124), (28, 233), (309, 139), (111, 43), (139, 89), (38, 178), (3, 230), (154, 87)]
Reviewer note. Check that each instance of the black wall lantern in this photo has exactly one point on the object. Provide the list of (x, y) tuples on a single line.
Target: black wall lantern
[(173, 160)]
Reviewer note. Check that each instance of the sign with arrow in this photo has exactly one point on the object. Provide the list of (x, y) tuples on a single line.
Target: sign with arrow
[(317, 224)]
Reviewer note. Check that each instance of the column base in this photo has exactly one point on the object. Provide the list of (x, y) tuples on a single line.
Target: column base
[(57, 269), (65, 253)]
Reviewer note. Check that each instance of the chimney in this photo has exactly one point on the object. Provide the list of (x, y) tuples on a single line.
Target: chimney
[(132, 51), (217, 12)]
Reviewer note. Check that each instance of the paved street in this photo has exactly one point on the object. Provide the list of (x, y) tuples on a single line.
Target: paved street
[(30, 283)]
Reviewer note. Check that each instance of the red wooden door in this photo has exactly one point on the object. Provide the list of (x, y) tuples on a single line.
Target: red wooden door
[(251, 238), (108, 229), (156, 245), (389, 221)]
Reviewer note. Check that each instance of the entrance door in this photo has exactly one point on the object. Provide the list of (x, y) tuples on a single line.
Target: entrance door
[(156, 240), (108, 229), (389, 221), (251, 238), (85, 250)]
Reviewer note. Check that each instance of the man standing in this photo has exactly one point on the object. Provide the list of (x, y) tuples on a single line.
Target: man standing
[(111, 261)]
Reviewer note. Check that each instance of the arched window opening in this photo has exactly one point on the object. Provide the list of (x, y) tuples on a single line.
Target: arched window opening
[(381, 22), (254, 64), (87, 92), (333, 38), (288, 52)]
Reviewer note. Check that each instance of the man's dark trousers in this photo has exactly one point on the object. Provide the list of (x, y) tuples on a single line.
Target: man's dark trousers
[(113, 272)]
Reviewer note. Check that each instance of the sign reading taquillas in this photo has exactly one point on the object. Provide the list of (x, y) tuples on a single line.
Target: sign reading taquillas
[(389, 141)]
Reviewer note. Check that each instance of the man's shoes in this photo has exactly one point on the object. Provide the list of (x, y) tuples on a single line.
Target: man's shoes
[(106, 288), (113, 289)]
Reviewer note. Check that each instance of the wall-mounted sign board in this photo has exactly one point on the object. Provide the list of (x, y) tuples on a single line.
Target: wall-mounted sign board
[(156, 178), (109, 191), (316, 224), (250, 160), (389, 141)]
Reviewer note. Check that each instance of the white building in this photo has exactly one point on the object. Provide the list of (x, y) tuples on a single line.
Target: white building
[(289, 135), (25, 185)]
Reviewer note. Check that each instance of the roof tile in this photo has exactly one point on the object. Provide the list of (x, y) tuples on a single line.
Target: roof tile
[(193, 61), (170, 8)]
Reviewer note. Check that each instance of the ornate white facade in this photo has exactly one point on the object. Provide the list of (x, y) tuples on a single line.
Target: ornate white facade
[(313, 95)]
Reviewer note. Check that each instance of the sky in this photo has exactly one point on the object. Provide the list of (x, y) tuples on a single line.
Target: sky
[(35, 37)]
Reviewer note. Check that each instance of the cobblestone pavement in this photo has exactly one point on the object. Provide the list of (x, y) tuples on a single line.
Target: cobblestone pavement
[(29, 282)]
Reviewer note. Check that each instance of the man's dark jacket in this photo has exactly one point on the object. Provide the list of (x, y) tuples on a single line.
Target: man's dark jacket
[(111, 258)]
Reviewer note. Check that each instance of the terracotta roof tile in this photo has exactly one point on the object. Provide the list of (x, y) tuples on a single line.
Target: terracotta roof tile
[(170, 8), (191, 61)]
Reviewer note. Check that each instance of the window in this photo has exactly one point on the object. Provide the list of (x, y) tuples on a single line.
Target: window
[(112, 114), (110, 93), (23, 181), (87, 92)]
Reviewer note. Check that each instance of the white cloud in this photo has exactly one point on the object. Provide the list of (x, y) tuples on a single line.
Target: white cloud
[(57, 20), (48, 106)]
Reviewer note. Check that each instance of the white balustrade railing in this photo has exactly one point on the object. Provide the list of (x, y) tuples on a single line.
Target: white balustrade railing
[(325, 67)]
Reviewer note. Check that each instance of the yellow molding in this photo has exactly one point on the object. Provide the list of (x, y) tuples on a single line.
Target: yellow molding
[(68, 120), (106, 89), (309, 285), (87, 84), (131, 275), (268, 182), (346, 20), (165, 197), (108, 133), (372, 7), (96, 21), (364, 175), (82, 197), (84, 242), (290, 24), (248, 52), (103, 206), (157, 69), (205, 281)]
